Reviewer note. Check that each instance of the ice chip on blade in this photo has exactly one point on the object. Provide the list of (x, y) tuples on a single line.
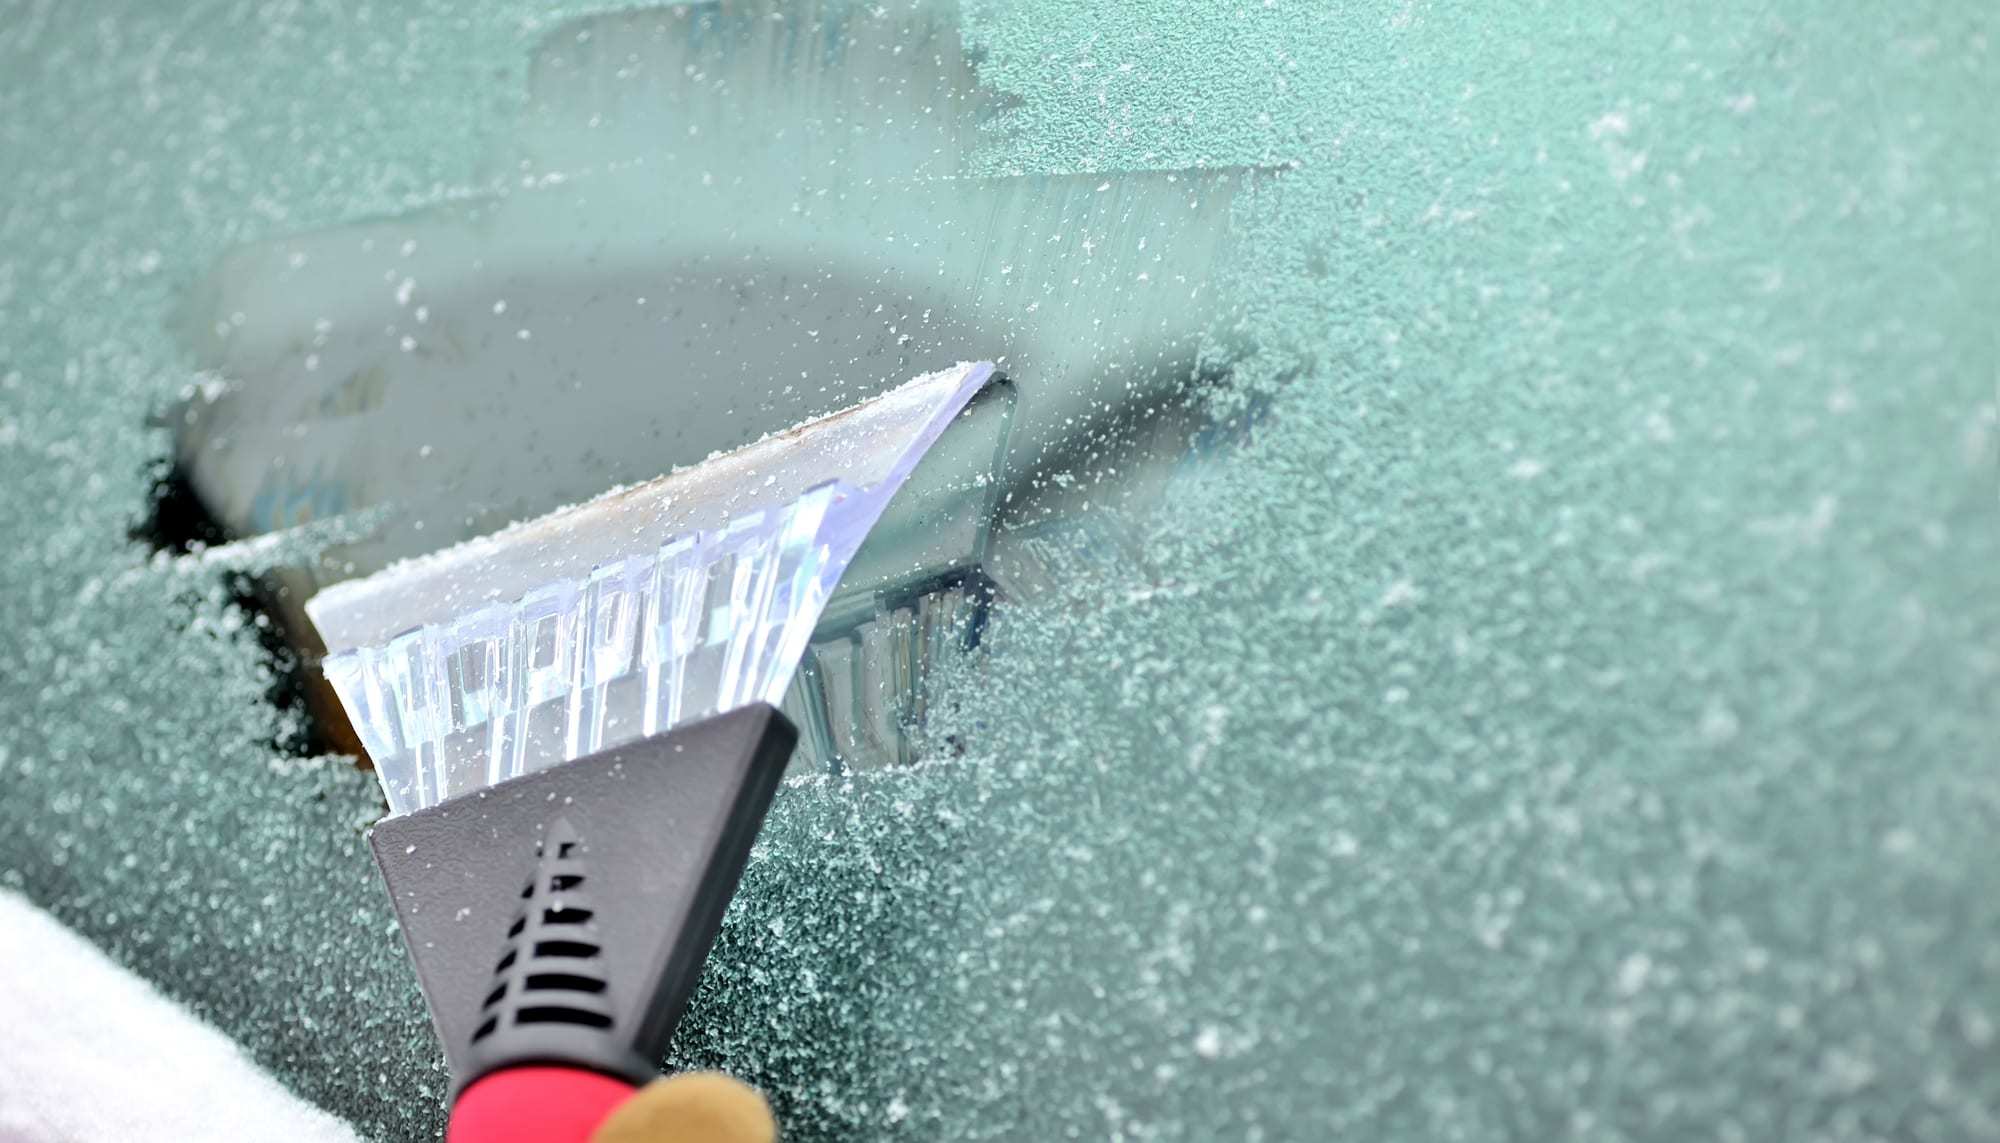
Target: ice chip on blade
[(650, 606)]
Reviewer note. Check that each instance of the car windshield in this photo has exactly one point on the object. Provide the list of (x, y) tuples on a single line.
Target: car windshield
[(1469, 612)]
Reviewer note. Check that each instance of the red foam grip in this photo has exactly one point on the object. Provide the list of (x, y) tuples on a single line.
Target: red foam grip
[(535, 1105)]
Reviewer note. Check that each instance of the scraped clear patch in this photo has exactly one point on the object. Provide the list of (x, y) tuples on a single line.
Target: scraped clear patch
[(711, 619)]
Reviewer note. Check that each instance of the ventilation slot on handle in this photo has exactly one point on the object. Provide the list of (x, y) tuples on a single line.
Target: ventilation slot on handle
[(551, 971)]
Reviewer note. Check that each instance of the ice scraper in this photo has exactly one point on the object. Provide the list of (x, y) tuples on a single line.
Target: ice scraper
[(576, 729)]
